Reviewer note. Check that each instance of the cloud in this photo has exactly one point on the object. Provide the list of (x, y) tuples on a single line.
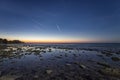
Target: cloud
[(58, 28), (38, 24)]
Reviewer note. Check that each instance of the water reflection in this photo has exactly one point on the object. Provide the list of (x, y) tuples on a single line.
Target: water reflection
[(25, 61)]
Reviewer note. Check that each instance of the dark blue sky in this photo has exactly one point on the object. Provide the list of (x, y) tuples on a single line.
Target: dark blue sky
[(60, 20)]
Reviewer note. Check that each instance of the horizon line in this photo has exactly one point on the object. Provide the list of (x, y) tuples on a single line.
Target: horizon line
[(60, 41)]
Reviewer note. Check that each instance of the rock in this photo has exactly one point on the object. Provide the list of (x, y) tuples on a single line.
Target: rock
[(76, 62), (61, 55), (74, 55), (9, 77), (82, 66), (100, 55), (68, 64), (50, 50), (107, 53), (103, 64), (118, 52), (36, 76), (110, 72), (115, 58), (49, 71), (13, 62)]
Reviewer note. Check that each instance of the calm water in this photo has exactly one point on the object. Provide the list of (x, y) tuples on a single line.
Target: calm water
[(59, 61), (114, 45)]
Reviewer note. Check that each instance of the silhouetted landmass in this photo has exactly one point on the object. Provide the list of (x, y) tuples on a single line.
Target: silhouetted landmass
[(5, 41)]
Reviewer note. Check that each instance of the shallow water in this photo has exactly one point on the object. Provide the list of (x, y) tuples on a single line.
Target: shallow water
[(58, 62)]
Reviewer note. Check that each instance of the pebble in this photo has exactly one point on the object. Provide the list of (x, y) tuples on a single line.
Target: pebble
[(82, 66), (49, 71), (68, 64), (36, 76)]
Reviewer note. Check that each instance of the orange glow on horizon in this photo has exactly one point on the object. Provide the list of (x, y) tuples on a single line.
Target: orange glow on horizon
[(50, 41), (57, 41)]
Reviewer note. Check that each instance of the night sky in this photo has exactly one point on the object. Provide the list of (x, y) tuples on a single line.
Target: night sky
[(60, 20)]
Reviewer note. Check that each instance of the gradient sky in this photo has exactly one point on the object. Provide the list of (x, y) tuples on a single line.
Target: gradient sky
[(60, 20)]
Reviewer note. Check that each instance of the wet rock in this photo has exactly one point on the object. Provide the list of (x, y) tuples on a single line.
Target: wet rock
[(103, 64), (110, 72), (36, 76), (43, 51), (76, 62), (118, 52), (115, 58), (74, 55), (9, 77), (66, 49), (90, 60), (68, 64), (82, 66), (107, 53), (100, 55), (50, 50), (49, 71), (20, 78), (61, 55), (13, 62)]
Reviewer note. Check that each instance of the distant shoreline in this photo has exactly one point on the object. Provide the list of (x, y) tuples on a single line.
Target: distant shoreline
[(5, 41)]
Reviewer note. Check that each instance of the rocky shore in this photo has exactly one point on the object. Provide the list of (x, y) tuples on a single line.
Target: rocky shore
[(26, 62)]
